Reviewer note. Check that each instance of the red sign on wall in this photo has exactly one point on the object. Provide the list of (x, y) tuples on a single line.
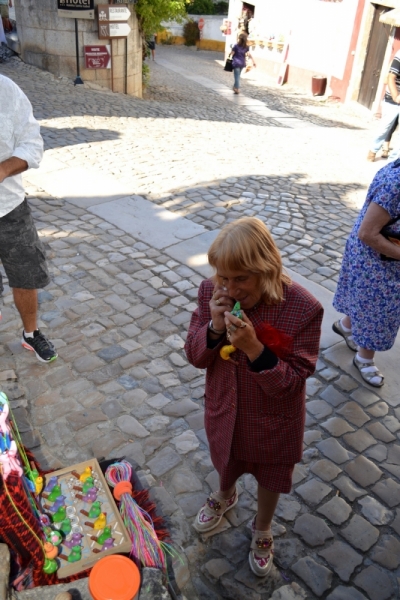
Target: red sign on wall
[(97, 57)]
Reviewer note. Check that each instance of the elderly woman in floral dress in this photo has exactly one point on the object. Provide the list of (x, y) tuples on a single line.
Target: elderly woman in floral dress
[(255, 401), (368, 291)]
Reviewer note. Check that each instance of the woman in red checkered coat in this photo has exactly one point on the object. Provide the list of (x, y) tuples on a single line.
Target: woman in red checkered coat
[(255, 401)]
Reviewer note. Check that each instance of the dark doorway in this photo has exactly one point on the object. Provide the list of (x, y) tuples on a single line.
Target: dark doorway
[(377, 45)]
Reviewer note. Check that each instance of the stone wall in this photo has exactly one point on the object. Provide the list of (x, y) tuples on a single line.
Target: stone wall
[(48, 42)]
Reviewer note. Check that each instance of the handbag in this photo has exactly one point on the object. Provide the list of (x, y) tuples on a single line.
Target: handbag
[(391, 232), (228, 65)]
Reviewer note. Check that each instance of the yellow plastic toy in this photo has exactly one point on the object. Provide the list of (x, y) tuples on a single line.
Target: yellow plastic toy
[(38, 485), (86, 473), (101, 522)]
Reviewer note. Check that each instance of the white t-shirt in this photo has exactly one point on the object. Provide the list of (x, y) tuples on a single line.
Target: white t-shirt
[(19, 137)]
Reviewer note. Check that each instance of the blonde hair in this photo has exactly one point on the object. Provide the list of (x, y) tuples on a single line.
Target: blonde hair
[(247, 245)]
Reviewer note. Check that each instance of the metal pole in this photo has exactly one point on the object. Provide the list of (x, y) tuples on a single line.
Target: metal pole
[(126, 65), (111, 52), (112, 68), (78, 78)]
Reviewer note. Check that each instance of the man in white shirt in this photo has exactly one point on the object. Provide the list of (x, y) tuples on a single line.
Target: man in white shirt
[(21, 252)]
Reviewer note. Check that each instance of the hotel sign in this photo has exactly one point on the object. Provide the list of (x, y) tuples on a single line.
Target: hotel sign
[(76, 9)]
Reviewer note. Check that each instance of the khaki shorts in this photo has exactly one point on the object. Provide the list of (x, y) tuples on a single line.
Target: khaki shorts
[(4, 11)]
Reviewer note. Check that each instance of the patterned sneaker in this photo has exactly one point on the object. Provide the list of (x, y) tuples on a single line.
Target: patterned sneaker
[(346, 335), (261, 554), (210, 515), (41, 346)]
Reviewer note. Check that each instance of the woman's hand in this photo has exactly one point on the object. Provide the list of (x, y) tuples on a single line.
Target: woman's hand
[(219, 304), (242, 335), (374, 220)]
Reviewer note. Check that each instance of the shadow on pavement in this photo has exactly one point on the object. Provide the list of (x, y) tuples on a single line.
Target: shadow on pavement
[(55, 137)]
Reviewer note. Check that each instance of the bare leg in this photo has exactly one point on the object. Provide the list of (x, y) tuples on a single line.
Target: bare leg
[(27, 305), (228, 493), (346, 322), (363, 352), (368, 354), (153, 54), (267, 502)]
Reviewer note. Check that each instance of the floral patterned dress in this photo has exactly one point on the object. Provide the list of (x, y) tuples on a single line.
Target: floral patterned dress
[(369, 287)]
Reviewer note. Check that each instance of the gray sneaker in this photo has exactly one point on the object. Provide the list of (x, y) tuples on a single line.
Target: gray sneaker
[(346, 335)]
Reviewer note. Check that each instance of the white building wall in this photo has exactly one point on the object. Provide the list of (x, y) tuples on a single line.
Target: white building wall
[(319, 32), (211, 30)]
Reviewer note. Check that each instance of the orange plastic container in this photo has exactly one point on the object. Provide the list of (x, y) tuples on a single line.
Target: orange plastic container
[(114, 577)]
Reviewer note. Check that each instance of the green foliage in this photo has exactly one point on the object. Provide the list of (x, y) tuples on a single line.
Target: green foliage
[(200, 7), (191, 33), (168, 40), (151, 12), (145, 74), (221, 8)]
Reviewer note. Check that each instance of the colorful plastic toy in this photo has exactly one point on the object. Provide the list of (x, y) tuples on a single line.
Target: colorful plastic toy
[(103, 536), (100, 522), (66, 526), (54, 494), (95, 510), (86, 473), (227, 350), (60, 515), (74, 541), (76, 554), (50, 484)]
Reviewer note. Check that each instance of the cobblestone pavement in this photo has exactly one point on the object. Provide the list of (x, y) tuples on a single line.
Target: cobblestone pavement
[(254, 84), (118, 308)]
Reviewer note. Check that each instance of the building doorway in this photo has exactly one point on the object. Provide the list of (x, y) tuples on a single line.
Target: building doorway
[(376, 50)]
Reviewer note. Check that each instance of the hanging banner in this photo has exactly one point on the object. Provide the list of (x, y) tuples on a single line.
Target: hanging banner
[(76, 9)]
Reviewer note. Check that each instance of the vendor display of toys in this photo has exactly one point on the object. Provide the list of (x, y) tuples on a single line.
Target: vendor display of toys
[(60, 524), (78, 505)]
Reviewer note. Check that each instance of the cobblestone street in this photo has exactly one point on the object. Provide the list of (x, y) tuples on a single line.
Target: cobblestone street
[(127, 200)]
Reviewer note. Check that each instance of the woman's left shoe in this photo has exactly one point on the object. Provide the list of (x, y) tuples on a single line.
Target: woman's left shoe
[(261, 554), (346, 335), (235, 90), (210, 515), (369, 372)]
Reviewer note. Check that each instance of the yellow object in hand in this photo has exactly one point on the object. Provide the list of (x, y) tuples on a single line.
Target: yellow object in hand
[(226, 351)]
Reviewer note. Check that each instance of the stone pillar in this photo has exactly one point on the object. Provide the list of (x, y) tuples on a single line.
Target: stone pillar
[(48, 42)]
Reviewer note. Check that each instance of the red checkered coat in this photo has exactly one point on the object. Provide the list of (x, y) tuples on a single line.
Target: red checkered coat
[(257, 417)]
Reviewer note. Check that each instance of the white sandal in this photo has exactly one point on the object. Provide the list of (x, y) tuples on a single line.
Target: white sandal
[(347, 335), (369, 371)]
